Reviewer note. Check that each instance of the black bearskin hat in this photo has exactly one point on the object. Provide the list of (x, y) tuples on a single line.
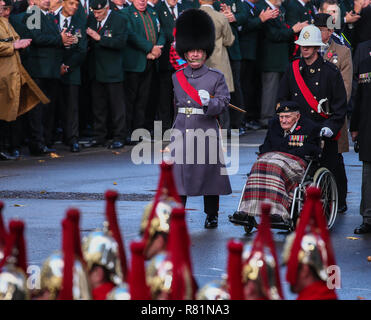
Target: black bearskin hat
[(194, 30)]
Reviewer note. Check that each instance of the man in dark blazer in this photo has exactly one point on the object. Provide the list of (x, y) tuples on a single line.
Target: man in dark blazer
[(107, 31), (145, 42), (73, 57), (43, 63), (276, 40), (360, 128)]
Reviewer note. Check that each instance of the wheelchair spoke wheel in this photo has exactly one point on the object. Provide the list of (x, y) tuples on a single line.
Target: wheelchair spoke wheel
[(325, 180)]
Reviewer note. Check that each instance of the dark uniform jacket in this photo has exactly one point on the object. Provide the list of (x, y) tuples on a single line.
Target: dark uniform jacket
[(276, 41), (138, 46), (324, 80), (167, 22), (361, 116), (105, 57), (296, 12), (74, 55), (303, 141), (240, 14), (249, 33), (45, 55)]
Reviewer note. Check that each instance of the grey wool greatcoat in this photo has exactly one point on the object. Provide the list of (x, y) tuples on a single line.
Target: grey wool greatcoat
[(206, 178)]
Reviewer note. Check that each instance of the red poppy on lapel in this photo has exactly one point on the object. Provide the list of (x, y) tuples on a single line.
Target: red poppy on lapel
[(298, 128)]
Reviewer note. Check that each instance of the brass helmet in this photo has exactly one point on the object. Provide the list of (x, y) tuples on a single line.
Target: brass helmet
[(160, 221), (52, 277), (312, 252), (214, 290), (13, 282), (13, 266), (253, 264), (100, 248), (159, 275), (120, 292)]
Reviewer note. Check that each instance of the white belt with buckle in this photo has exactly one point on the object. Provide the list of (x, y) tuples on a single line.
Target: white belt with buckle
[(189, 111)]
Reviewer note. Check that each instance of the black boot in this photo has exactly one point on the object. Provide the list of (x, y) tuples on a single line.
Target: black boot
[(211, 221)]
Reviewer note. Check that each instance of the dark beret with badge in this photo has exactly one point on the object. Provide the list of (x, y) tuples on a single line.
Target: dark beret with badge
[(287, 106), (7, 3), (98, 4), (194, 31), (323, 20)]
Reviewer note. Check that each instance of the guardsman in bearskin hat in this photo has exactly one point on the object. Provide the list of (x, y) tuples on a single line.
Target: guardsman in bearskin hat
[(201, 94), (169, 274), (308, 252), (63, 274), (104, 253), (13, 265), (260, 268), (156, 217)]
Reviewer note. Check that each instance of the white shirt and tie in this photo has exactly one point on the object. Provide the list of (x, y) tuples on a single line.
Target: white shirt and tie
[(64, 22), (175, 10)]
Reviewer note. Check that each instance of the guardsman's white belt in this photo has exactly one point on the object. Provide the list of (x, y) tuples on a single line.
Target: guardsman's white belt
[(189, 111)]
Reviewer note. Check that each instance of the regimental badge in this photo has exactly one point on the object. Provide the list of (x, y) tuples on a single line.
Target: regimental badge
[(234, 9), (107, 33), (99, 6), (306, 35), (165, 13), (278, 105), (296, 140), (312, 70)]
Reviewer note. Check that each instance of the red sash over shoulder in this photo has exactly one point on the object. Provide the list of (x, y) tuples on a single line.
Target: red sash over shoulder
[(186, 86), (308, 95)]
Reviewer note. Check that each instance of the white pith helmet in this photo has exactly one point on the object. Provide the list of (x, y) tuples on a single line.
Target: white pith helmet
[(310, 36)]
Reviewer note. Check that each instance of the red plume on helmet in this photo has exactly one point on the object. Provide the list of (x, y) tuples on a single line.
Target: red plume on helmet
[(111, 197), (166, 181), (15, 245), (71, 246), (3, 232), (183, 285), (234, 270), (263, 241), (137, 278), (311, 220)]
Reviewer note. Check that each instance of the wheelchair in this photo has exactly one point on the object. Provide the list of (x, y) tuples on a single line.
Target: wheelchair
[(314, 175)]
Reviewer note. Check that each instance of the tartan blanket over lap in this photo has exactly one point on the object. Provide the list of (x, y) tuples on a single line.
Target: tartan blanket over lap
[(273, 178)]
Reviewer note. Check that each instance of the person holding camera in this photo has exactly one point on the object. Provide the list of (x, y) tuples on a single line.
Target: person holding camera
[(360, 129)]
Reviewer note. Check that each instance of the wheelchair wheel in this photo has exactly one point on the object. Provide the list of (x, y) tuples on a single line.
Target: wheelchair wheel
[(325, 180)]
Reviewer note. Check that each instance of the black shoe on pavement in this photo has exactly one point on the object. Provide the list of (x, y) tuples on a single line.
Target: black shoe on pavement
[(343, 209), (16, 154), (116, 145), (211, 222), (253, 125), (40, 150), (363, 228), (75, 147), (94, 143), (6, 156)]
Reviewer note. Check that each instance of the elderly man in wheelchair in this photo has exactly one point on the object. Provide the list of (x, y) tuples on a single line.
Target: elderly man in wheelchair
[(287, 163)]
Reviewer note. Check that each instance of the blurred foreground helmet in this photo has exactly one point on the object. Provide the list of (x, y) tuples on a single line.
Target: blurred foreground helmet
[(312, 252), (52, 277), (120, 292), (13, 266), (13, 283), (214, 290), (159, 276), (253, 264), (100, 248)]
